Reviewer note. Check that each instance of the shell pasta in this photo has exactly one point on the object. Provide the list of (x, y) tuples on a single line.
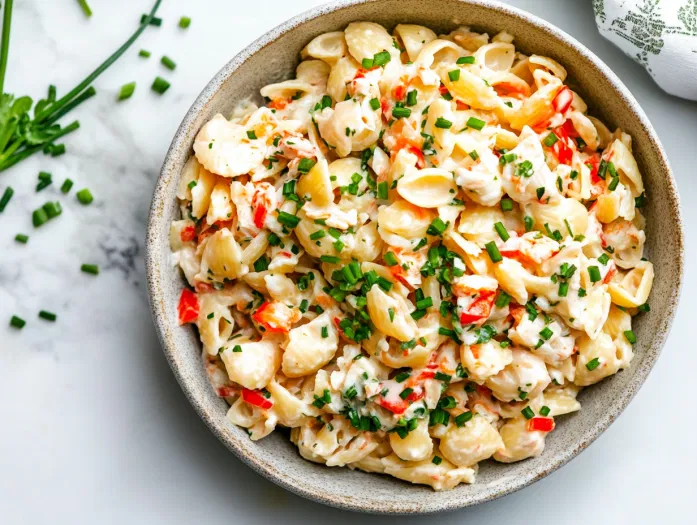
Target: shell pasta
[(415, 255)]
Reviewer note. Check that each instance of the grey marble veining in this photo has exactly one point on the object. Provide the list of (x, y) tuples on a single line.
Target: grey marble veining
[(93, 426)]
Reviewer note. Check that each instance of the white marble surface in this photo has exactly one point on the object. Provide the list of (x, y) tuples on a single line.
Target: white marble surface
[(94, 428)]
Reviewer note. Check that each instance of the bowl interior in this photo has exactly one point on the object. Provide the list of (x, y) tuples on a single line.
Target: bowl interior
[(273, 58)]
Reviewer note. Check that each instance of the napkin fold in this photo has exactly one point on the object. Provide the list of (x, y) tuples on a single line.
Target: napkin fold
[(661, 35)]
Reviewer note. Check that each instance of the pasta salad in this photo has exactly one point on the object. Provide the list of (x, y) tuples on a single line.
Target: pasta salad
[(414, 255)]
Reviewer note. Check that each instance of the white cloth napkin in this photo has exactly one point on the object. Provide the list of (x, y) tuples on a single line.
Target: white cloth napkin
[(659, 34)]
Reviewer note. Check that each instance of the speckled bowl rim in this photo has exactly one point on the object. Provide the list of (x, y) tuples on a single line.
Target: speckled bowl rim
[(160, 314)]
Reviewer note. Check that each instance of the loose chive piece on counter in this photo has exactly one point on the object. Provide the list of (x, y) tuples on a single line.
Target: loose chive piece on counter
[(6, 196), (58, 150), (20, 237), (160, 85), (85, 7), (168, 62), (17, 322), (545, 410), (39, 217), (154, 21), (48, 316), (144, 53), (52, 209), (90, 268), (84, 196), (67, 185), (126, 91), (184, 22), (493, 252)]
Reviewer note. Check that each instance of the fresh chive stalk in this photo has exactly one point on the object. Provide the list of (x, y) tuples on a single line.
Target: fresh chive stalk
[(85, 7)]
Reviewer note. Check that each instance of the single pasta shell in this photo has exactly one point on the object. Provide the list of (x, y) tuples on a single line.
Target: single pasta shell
[(428, 188)]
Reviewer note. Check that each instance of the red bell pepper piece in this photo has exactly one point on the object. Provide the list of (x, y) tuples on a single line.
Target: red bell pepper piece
[(188, 307)]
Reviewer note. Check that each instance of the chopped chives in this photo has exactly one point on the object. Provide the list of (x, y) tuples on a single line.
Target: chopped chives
[(305, 165), (443, 123), (546, 333), (367, 63), (593, 364), (475, 123), (288, 220), (160, 85), (644, 307), (400, 112), (503, 299), (191, 185), (84, 196), (90, 268), (325, 332), (502, 231), (629, 334), (406, 393), (529, 223), (6, 196), (465, 60), (550, 140), (603, 259), (17, 322), (454, 75), (528, 413), (463, 418), (57, 150), (381, 58), (330, 259), (144, 53), (382, 190), (184, 22), (493, 252), (594, 274), (48, 316), (154, 21), (237, 349), (507, 158), (390, 259), (437, 460), (545, 410), (437, 227), (126, 91), (411, 97), (563, 289), (402, 376), (304, 305), (602, 169), (474, 155), (540, 192), (506, 205), (168, 63), (251, 135), (39, 217), (52, 209), (20, 237), (67, 185), (317, 235), (613, 183), (427, 302), (85, 7), (374, 104), (525, 169)]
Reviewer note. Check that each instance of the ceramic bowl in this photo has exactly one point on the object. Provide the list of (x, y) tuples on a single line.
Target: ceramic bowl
[(273, 58)]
